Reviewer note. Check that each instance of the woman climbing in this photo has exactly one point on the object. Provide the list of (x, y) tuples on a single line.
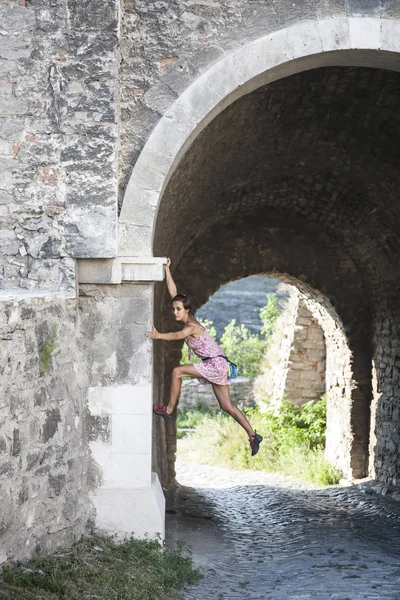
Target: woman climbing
[(213, 369)]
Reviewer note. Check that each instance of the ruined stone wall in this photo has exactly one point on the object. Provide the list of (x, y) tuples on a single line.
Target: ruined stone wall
[(45, 468), (58, 135), (271, 383), (307, 360), (294, 364)]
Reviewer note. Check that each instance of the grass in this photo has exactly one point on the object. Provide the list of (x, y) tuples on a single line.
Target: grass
[(48, 350), (99, 568), (192, 418), (293, 442)]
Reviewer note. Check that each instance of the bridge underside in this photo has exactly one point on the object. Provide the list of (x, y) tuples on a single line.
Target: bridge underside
[(299, 179)]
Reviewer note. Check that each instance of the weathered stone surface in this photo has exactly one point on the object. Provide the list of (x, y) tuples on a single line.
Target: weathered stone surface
[(299, 178), (56, 483), (41, 427), (293, 368), (100, 429), (50, 425), (57, 93)]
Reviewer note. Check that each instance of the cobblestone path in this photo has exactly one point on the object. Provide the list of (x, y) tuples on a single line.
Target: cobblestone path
[(258, 536)]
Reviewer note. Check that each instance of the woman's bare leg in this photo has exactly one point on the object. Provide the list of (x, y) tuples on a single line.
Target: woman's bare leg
[(176, 384), (222, 394)]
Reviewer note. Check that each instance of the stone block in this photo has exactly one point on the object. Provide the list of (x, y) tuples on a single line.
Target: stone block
[(315, 333), (303, 321), (122, 470), (99, 271), (308, 375), (50, 426), (315, 356), (120, 400), (56, 483), (100, 429), (142, 269), (114, 511), (365, 32), (16, 443)]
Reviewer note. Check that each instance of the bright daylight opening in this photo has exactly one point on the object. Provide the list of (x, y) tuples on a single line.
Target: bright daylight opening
[(273, 333)]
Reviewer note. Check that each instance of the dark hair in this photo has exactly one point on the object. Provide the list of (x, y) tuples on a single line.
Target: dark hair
[(184, 299)]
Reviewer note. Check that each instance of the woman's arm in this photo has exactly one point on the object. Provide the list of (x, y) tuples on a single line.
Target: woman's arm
[(172, 336), (170, 282)]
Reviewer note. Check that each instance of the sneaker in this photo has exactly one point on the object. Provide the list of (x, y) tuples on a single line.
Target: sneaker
[(255, 442), (161, 411)]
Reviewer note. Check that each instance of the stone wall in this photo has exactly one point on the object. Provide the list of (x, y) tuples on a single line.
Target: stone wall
[(82, 85), (270, 385), (45, 467), (58, 135), (194, 393), (128, 498), (385, 441), (165, 46), (294, 365), (307, 359)]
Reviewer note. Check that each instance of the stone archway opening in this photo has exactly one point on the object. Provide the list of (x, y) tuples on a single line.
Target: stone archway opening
[(348, 416), (298, 177), (307, 355)]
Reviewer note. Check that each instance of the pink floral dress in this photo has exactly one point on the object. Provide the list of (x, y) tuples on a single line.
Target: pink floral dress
[(215, 370)]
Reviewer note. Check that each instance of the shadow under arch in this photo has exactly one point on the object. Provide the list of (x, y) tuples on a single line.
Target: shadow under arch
[(336, 297)]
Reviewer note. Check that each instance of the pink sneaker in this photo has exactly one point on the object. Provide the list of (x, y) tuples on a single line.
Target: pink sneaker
[(161, 411)]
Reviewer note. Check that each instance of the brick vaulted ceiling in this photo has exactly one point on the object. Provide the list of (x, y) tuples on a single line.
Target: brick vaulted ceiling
[(311, 157)]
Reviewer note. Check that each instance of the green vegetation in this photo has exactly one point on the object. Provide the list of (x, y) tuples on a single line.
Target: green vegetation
[(49, 346), (192, 418), (244, 348), (294, 438), (294, 441), (269, 314), (100, 569)]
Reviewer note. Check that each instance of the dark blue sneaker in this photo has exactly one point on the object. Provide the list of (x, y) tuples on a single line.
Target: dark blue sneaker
[(255, 441)]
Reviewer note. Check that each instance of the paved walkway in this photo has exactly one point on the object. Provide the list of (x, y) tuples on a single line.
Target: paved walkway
[(258, 536)]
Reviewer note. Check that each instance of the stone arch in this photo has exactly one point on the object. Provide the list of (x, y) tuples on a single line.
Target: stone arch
[(300, 177), (367, 268), (339, 304), (356, 41)]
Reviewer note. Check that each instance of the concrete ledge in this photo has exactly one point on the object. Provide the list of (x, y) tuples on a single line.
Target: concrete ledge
[(140, 512), (142, 269), (121, 399), (135, 269)]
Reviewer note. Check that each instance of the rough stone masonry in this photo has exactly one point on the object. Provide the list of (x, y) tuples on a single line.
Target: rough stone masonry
[(242, 137)]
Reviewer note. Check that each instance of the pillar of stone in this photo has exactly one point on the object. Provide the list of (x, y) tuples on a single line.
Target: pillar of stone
[(305, 373), (127, 496), (294, 366)]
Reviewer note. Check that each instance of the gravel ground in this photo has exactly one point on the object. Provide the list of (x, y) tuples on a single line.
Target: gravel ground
[(264, 536)]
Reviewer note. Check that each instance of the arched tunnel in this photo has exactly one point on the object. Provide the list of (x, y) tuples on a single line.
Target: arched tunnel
[(299, 180)]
